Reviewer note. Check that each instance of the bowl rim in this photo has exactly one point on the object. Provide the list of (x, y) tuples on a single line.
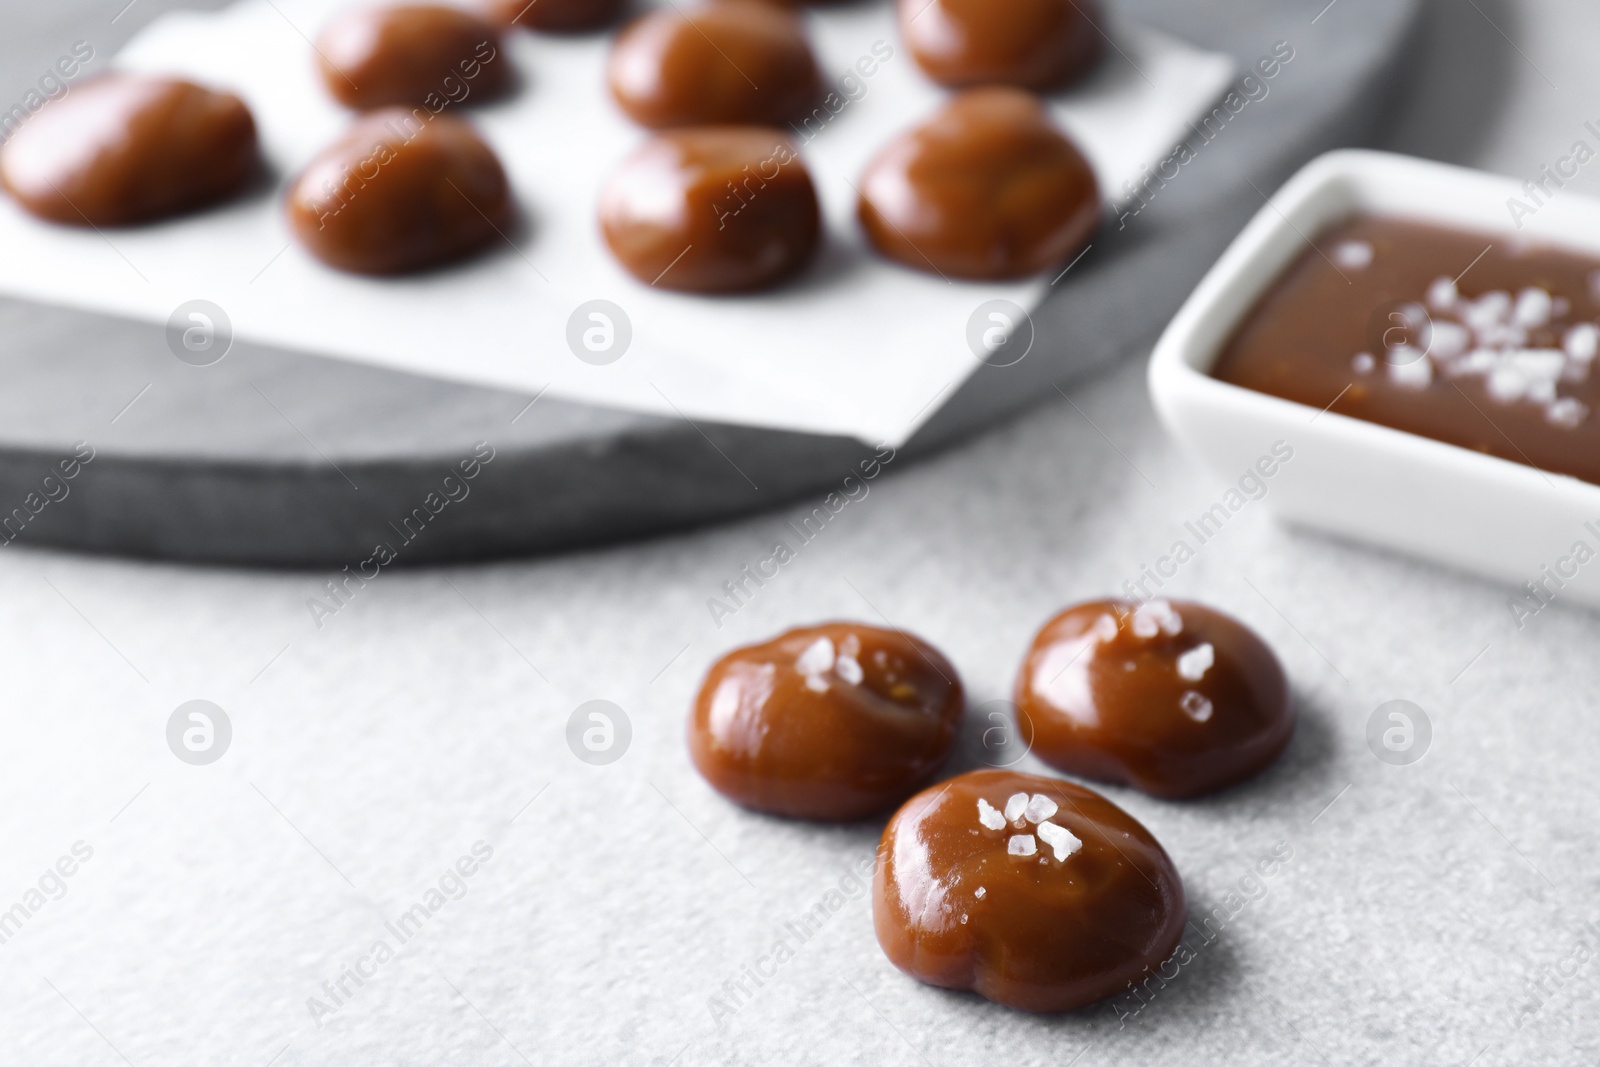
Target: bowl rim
[(1336, 185)]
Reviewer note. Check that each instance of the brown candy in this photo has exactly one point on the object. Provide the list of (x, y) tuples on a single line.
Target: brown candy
[(826, 722), (712, 210), (422, 54), (725, 62), (130, 148), (988, 187), (1030, 891), (554, 16), (1169, 697), (1034, 44), (401, 191)]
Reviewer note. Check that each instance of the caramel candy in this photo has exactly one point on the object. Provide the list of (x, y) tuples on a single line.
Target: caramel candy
[(400, 191), (1034, 44), (726, 62), (423, 54), (554, 16), (1032, 892), (988, 187), (129, 148), (712, 210), (1169, 697), (826, 722)]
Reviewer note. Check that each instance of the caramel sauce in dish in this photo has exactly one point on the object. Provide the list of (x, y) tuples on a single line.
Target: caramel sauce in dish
[(1478, 340)]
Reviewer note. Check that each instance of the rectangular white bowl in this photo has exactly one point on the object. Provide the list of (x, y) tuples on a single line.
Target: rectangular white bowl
[(1503, 520)]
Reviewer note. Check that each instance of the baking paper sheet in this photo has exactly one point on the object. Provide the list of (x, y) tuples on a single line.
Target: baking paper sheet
[(855, 346)]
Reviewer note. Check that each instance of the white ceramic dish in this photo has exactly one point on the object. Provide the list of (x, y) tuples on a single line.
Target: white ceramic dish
[(1503, 520)]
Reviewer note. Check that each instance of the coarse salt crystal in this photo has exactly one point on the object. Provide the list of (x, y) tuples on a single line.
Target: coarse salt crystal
[(1156, 616), (1543, 363), (1022, 845), (1063, 841), (1506, 383), (1363, 363), (1015, 806), (1418, 374), (1478, 361), (1442, 294), (1503, 335), (1196, 706), (1353, 255), (990, 815), (1447, 340), (1040, 808), (1194, 663), (1533, 307), (817, 658), (1490, 309), (980, 894), (1582, 342), (1567, 412), (848, 669)]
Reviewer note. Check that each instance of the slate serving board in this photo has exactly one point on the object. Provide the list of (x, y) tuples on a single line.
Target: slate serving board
[(278, 458)]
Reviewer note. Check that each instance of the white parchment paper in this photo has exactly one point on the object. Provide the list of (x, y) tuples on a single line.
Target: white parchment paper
[(856, 346)]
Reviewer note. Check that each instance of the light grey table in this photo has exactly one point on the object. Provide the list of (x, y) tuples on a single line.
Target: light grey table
[(430, 712)]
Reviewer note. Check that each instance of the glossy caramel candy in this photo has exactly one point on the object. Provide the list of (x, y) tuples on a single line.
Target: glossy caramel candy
[(420, 54), (1032, 44), (124, 148), (554, 16), (1169, 697), (837, 721), (988, 187), (1032, 892), (712, 210), (723, 62), (401, 191)]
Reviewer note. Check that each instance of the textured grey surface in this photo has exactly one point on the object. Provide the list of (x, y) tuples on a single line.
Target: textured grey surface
[(371, 753), (276, 457)]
